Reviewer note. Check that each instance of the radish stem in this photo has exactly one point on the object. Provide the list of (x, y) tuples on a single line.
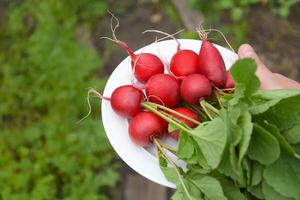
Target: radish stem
[(218, 98), (212, 108), (97, 94), (168, 119), (167, 147), (160, 149), (174, 112), (174, 118), (227, 89), (167, 34), (202, 103), (218, 31)]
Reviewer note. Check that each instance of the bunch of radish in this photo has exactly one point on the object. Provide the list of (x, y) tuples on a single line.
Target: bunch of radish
[(192, 78), (221, 129)]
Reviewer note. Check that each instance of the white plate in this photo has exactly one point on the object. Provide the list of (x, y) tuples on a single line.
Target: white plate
[(144, 161)]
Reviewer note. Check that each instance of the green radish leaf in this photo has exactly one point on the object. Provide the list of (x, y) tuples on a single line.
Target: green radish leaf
[(193, 159), (246, 125), (185, 148), (175, 174), (292, 135), (285, 114), (199, 170), (263, 147), (271, 194), (172, 127), (224, 99), (246, 82), (284, 176), (257, 173), (282, 141), (211, 138), (200, 158), (209, 186), (296, 147), (197, 159), (229, 164), (230, 190), (256, 191), (263, 100), (228, 167), (181, 192), (247, 170), (169, 172), (234, 112)]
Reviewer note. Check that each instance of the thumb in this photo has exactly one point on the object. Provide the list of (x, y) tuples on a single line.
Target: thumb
[(263, 73), (246, 51), (268, 79)]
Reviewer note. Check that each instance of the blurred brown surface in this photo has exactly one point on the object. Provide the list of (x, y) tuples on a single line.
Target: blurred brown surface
[(277, 40), (134, 186), (137, 188)]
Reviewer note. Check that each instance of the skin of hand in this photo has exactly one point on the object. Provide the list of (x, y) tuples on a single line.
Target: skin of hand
[(269, 80)]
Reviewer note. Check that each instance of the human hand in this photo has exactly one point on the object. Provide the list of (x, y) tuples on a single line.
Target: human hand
[(269, 80)]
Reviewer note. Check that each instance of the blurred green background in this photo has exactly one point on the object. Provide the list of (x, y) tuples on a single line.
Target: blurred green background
[(50, 53)]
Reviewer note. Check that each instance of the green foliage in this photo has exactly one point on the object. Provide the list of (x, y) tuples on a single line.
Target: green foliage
[(44, 76), (238, 154), (263, 147), (284, 176), (247, 84), (237, 11), (211, 139)]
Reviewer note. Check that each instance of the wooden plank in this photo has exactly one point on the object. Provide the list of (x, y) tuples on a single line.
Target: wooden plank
[(191, 19), (137, 187)]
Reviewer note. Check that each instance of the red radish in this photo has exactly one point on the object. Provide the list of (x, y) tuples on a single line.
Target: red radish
[(163, 89), (229, 80), (145, 127), (126, 100), (187, 112), (211, 63), (144, 65), (183, 62), (194, 88)]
